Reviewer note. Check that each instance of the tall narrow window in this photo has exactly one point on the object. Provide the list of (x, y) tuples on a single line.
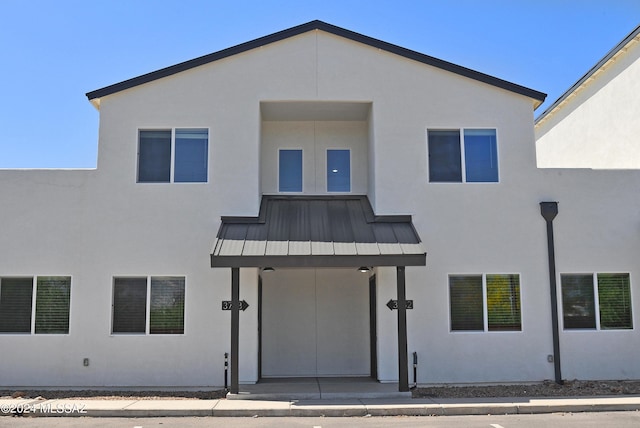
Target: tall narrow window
[(338, 170), (503, 302), (614, 296), (480, 154), (15, 305), (578, 301), (444, 156), (129, 305), (191, 155), (53, 295), (290, 170), (167, 305), (465, 297), (154, 157)]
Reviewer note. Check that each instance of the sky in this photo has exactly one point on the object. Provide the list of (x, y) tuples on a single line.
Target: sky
[(53, 52)]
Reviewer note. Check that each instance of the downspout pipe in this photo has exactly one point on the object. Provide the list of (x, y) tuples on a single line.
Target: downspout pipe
[(549, 211)]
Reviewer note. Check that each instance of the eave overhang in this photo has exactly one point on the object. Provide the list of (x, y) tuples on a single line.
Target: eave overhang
[(595, 71), (537, 97)]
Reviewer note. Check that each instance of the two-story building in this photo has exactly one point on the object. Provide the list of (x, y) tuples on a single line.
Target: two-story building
[(316, 203)]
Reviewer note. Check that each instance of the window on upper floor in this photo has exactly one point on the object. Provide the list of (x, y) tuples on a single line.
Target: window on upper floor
[(338, 170), (488, 302), (52, 303), (162, 295), (290, 170), (173, 156), (596, 301), (468, 155)]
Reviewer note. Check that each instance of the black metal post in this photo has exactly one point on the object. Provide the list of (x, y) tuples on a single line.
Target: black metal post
[(549, 211), (403, 370), (415, 369), (235, 328), (373, 328), (226, 371)]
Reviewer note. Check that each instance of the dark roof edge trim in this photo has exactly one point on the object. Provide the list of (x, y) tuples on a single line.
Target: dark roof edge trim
[(589, 73), (319, 261), (300, 29)]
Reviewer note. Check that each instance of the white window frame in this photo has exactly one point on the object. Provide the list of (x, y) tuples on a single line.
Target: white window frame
[(596, 303), (485, 306), (34, 295), (172, 165), (147, 327), (463, 160)]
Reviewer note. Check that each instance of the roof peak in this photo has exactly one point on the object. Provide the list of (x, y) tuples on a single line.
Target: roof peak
[(304, 28)]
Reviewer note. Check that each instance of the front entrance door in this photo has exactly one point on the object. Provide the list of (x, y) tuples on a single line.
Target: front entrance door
[(315, 322)]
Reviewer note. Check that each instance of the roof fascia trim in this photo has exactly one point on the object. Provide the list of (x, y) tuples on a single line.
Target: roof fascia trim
[(318, 25), (334, 261), (588, 74)]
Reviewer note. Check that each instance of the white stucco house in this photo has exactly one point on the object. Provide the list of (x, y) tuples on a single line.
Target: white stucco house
[(364, 200), (594, 124)]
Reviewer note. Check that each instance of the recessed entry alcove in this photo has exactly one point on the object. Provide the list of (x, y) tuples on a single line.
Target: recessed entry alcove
[(317, 147)]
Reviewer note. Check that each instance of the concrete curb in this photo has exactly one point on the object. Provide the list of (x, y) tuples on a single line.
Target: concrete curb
[(314, 408)]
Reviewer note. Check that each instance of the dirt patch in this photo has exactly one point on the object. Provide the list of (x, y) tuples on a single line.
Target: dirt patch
[(574, 388), (114, 395)]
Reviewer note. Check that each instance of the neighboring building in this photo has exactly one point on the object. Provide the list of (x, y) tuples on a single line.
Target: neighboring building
[(595, 123), (316, 151)]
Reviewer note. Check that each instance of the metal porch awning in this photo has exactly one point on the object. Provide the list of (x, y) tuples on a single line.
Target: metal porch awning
[(317, 231)]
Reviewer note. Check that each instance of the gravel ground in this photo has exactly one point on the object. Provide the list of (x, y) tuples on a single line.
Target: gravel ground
[(114, 395), (574, 388)]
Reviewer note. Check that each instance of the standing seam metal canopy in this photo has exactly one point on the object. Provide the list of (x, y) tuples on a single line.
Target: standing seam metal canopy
[(317, 231)]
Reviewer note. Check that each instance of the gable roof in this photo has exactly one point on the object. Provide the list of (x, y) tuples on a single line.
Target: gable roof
[(94, 96), (590, 76)]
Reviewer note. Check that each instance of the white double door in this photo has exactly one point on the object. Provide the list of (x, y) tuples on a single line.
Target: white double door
[(315, 322)]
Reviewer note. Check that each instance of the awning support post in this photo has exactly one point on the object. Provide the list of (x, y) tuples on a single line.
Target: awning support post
[(235, 328), (403, 370)]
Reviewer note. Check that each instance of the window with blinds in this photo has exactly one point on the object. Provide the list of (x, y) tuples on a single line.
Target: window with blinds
[(465, 296), (52, 301), (503, 302), (485, 302), (162, 296), (129, 305), (167, 305), (53, 295), (16, 296), (578, 302), (606, 294), (614, 296)]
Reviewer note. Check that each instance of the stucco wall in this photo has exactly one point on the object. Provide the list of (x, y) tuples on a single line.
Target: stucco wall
[(100, 224), (598, 127)]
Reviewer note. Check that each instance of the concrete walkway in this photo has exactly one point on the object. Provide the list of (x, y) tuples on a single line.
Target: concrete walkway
[(326, 407)]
